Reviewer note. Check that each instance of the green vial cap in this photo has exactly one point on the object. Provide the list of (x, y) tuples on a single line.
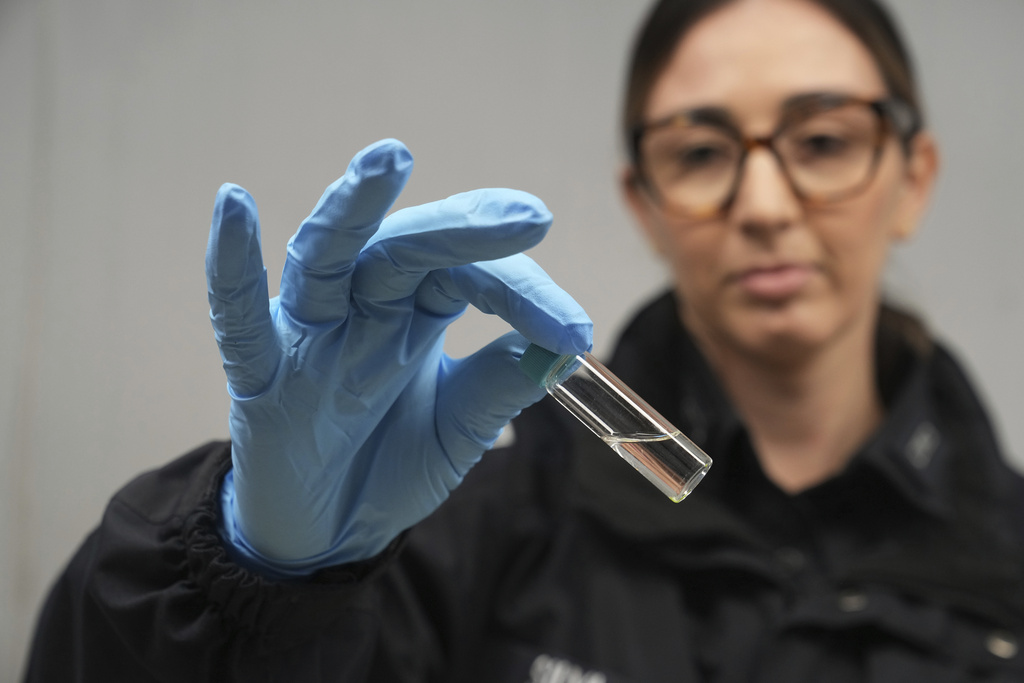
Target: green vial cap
[(537, 362)]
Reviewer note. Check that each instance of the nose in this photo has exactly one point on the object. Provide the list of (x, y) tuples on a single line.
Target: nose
[(765, 202)]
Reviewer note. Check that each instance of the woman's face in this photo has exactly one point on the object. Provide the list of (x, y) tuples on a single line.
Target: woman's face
[(774, 276)]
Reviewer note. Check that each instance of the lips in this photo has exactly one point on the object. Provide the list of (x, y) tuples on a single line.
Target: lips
[(775, 282)]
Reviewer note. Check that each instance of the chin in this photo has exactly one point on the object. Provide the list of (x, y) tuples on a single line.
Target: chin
[(784, 334)]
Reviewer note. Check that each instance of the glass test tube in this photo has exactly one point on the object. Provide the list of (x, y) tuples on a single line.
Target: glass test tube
[(623, 420)]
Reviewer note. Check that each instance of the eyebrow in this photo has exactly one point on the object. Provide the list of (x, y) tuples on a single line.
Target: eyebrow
[(720, 116), (823, 96), (714, 116)]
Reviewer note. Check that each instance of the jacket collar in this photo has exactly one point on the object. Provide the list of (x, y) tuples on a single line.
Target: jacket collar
[(913, 450), (935, 449)]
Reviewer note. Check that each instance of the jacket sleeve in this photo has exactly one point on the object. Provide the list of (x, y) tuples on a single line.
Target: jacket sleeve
[(152, 596)]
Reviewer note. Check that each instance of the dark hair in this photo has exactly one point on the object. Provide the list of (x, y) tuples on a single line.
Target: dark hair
[(669, 21)]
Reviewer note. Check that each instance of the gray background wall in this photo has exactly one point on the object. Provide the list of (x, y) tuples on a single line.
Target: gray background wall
[(119, 119)]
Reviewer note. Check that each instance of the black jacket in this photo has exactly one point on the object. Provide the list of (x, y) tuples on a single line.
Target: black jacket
[(554, 562)]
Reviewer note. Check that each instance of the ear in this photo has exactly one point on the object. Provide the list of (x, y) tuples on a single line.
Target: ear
[(638, 199), (922, 169)]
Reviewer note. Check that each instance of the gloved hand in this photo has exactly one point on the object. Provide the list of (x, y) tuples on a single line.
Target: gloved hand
[(348, 422)]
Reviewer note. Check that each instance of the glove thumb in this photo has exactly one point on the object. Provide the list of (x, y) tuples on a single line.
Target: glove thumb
[(479, 395)]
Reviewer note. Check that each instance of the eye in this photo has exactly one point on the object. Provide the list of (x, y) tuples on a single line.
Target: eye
[(699, 156), (823, 146), (702, 158)]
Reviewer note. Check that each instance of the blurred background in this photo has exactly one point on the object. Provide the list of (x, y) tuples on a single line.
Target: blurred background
[(120, 118)]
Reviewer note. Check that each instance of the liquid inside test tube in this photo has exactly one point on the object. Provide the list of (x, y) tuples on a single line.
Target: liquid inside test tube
[(623, 420)]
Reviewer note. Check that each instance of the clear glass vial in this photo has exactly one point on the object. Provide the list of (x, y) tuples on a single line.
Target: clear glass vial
[(623, 420)]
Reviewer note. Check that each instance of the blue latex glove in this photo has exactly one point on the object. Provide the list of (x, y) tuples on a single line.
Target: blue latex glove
[(348, 422)]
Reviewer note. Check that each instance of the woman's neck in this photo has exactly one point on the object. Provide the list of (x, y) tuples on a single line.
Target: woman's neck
[(808, 417)]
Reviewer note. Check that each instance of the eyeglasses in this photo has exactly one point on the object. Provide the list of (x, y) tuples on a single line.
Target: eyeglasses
[(828, 147)]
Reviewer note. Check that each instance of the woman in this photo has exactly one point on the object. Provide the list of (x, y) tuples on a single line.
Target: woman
[(858, 523)]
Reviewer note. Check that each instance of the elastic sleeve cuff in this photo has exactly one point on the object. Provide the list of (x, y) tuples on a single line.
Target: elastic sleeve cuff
[(244, 555)]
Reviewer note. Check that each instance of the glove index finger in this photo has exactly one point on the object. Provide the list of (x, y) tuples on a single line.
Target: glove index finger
[(480, 225), (237, 291), (517, 290)]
